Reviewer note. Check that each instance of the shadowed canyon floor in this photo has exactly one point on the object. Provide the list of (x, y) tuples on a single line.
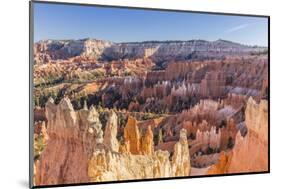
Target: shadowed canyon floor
[(107, 111)]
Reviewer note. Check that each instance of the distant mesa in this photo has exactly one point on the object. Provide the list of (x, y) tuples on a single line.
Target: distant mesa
[(46, 50)]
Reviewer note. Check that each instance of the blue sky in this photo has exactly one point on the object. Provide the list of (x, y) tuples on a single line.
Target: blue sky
[(56, 21)]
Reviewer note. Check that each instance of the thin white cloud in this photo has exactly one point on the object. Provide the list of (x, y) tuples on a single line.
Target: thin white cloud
[(237, 28)]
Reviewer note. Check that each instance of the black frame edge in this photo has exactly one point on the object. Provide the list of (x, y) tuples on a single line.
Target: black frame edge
[(150, 180), (268, 77), (148, 8), (31, 113)]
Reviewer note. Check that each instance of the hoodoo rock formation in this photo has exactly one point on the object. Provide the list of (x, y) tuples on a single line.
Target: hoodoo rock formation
[(132, 135), (77, 151), (250, 153), (110, 139), (181, 161), (138, 142), (68, 143), (147, 145), (208, 138)]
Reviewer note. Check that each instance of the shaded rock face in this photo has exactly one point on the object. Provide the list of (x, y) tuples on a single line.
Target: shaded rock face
[(213, 84), (250, 153), (228, 135), (39, 114)]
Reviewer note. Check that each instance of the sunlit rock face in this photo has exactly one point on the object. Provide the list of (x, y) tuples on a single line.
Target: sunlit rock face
[(222, 165), (250, 153), (107, 166), (147, 144), (111, 132), (132, 135), (181, 160)]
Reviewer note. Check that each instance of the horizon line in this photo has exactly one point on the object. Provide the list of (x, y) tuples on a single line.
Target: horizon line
[(147, 41)]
